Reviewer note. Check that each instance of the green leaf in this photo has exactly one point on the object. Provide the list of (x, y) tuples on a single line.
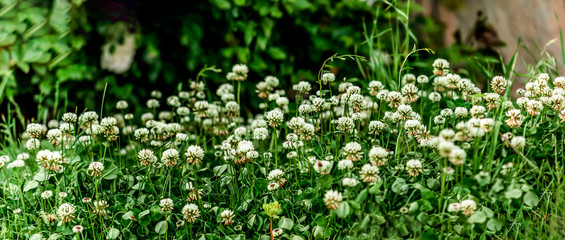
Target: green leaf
[(30, 185), (362, 196), (111, 172), (296, 237), (36, 236), (318, 232), (477, 217), (222, 4), (7, 39), (261, 184), (56, 60), (127, 215), (343, 210), (218, 170), (326, 181), (41, 175), (494, 225), (161, 227), (286, 223), (513, 193), (398, 185), (239, 2), (531, 199), (277, 53), (113, 233)]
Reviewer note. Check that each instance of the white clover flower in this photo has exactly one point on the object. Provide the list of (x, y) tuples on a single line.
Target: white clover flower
[(121, 105), (18, 163), (302, 87), (409, 92), (260, 134), (477, 111), (454, 207), (441, 67), (328, 78), (487, 124), (296, 123), (166, 205), (534, 107), (461, 112), (518, 142), (274, 117), (70, 117), (95, 169), (323, 167), (349, 182), (394, 99), (305, 109), (153, 103), (439, 120), (194, 154), (34, 130), (46, 194), (99, 207), (78, 229), (515, 119), (170, 157), (277, 232), (498, 84), (66, 212), (272, 81), (422, 79), (353, 151), (404, 111), (232, 108), (468, 207), (445, 148), (457, 156), (434, 97), (414, 167), (345, 164), (32, 144), (369, 173), (227, 217), (382, 95), (333, 199), (345, 124), (146, 157), (277, 176), (378, 156), (190, 212), (375, 87)]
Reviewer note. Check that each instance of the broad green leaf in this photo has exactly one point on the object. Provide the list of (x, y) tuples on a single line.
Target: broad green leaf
[(286, 223), (531, 199), (494, 225), (296, 237), (513, 193), (362, 196), (398, 185), (161, 227), (110, 172), (127, 215), (30, 185), (113, 233), (343, 210), (36, 236), (318, 232), (477, 217)]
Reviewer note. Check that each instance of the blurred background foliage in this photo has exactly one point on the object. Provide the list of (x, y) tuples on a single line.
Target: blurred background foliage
[(58, 54)]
